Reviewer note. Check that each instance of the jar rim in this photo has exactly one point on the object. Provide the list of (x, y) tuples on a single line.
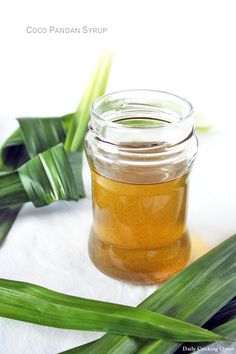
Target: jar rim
[(141, 117), (145, 91)]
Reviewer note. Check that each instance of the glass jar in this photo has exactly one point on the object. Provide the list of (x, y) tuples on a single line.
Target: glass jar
[(140, 147)]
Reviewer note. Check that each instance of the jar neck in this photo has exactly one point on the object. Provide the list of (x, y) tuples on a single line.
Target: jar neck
[(141, 137)]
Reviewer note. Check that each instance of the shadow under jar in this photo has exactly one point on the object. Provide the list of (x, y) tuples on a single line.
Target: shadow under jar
[(140, 146)]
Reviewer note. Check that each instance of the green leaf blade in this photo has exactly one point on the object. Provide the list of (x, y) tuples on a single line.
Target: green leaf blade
[(96, 87), (32, 303), (211, 281), (76, 163), (40, 134)]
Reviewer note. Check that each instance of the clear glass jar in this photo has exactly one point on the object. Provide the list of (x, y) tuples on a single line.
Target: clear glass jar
[(140, 146)]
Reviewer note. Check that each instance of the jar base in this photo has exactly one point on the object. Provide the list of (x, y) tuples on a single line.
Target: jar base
[(147, 267)]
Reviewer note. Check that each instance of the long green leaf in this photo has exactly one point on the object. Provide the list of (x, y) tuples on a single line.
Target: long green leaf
[(32, 303), (95, 88), (223, 322), (195, 294)]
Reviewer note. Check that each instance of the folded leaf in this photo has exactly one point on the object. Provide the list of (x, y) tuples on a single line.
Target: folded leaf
[(32, 303), (12, 192), (13, 152), (35, 135), (46, 178), (40, 134)]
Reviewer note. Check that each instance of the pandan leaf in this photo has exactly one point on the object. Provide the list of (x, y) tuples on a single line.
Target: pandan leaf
[(14, 154), (40, 134), (194, 295), (32, 303), (223, 323), (46, 178), (96, 87), (76, 163), (12, 192)]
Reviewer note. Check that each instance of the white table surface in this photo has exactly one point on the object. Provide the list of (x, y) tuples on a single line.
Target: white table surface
[(183, 47)]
